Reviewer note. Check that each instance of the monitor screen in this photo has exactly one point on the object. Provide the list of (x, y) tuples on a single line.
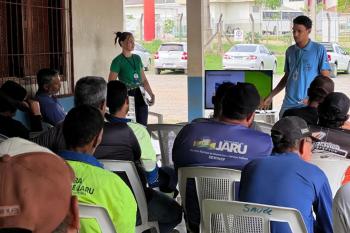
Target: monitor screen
[(262, 79)]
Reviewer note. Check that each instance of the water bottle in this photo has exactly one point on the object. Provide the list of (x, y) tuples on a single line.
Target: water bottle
[(171, 139)]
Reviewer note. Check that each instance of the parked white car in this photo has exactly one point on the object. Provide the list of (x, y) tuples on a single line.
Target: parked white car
[(338, 58), (144, 54), (171, 56), (249, 57)]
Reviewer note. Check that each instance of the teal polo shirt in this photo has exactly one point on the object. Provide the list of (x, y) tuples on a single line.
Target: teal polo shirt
[(302, 65)]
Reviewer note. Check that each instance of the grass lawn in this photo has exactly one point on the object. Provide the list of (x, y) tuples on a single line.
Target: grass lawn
[(152, 46), (212, 62)]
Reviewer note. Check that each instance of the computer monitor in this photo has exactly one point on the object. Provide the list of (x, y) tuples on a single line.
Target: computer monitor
[(262, 79)]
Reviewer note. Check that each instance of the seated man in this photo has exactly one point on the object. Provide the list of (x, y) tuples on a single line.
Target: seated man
[(333, 128), (37, 196), (217, 98), (230, 137), (227, 142), (319, 88), (285, 179), (49, 84), (333, 112), (161, 208), (82, 130), (341, 210), (12, 96), (92, 90), (118, 104)]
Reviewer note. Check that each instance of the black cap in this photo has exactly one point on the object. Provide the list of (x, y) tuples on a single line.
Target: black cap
[(289, 129), (242, 98), (334, 107)]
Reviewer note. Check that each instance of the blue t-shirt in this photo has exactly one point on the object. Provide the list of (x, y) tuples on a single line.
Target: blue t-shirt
[(216, 144), (286, 180), (51, 110), (206, 142), (302, 65)]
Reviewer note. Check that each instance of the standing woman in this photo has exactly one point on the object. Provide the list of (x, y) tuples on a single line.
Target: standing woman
[(128, 68)]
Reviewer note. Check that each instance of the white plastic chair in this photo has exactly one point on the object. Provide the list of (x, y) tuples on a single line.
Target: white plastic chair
[(165, 134), (100, 214), (211, 183), (245, 217), (129, 168)]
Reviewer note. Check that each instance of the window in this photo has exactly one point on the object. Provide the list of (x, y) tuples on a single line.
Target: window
[(35, 34), (290, 15), (164, 1), (271, 15), (243, 48)]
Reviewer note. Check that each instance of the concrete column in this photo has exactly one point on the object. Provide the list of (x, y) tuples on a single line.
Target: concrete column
[(312, 14), (195, 65), (148, 9)]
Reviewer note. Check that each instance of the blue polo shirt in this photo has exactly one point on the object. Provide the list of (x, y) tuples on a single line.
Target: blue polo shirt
[(51, 110), (286, 180), (302, 65)]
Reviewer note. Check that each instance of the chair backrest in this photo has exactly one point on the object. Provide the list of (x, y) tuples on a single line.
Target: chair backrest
[(245, 217), (129, 168), (100, 214), (165, 134), (211, 182)]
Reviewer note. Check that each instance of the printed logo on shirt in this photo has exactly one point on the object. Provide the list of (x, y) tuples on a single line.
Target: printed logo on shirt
[(224, 146), (81, 189), (307, 67), (7, 211)]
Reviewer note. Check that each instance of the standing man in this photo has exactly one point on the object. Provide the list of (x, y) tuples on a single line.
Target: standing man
[(304, 61)]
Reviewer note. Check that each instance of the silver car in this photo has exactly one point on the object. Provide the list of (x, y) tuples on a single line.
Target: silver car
[(338, 58), (250, 57), (171, 56), (144, 54)]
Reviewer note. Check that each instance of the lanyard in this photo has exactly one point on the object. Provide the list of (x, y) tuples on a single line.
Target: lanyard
[(132, 65), (300, 55)]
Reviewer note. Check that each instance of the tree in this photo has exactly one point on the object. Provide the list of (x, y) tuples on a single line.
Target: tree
[(271, 4), (343, 6), (169, 25)]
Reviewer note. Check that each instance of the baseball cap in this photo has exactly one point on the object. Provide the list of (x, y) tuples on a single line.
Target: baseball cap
[(35, 189), (16, 145), (334, 107), (242, 98), (289, 129)]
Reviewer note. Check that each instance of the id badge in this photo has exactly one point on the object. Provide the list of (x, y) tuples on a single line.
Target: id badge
[(296, 75), (136, 77)]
